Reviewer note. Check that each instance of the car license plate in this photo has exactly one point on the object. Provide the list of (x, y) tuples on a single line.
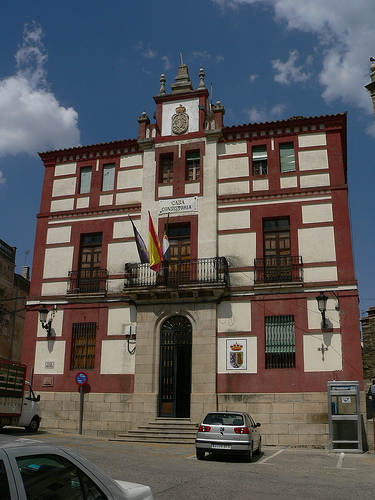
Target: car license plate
[(222, 446)]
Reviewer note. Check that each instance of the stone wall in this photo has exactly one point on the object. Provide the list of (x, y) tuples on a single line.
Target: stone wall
[(104, 415), (290, 419), (368, 353)]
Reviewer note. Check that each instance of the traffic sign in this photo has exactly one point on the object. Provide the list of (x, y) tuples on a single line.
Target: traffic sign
[(81, 378)]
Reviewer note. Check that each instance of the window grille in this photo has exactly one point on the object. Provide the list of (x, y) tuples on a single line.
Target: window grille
[(83, 346), (280, 342)]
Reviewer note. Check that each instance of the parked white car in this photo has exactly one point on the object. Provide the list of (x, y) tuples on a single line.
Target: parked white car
[(37, 471), (228, 432)]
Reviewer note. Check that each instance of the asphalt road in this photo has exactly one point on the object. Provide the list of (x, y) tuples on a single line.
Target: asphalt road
[(173, 472)]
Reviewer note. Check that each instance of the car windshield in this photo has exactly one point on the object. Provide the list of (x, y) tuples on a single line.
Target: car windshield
[(223, 419)]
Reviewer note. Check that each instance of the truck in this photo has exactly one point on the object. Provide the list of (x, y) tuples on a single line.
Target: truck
[(18, 404)]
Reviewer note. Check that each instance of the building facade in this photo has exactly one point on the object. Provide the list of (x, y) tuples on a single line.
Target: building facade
[(14, 288), (258, 224)]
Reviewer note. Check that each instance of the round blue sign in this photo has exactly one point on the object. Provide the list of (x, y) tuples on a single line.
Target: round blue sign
[(81, 378)]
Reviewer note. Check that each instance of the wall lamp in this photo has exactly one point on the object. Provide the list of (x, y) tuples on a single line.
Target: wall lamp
[(43, 313), (322, 306), (131, 335)]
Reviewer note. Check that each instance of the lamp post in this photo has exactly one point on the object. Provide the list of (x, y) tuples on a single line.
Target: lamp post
[(322, 306)]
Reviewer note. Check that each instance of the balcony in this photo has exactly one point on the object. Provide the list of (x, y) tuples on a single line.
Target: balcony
[(88, 281), (201, 280), (282, 269)]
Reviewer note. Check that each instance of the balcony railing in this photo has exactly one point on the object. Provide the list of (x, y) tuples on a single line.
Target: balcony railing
[(178, 272), (280, 269), (88, 281)]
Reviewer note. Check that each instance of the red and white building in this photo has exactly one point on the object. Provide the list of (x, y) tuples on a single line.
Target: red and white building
[(258, 227)]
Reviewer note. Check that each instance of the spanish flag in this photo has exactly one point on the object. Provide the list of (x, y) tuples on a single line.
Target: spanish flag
[(154, 247)]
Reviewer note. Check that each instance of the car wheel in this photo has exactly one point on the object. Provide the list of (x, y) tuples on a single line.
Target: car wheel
[(34, 425), (249, 455), (199, 454), (259, 450)]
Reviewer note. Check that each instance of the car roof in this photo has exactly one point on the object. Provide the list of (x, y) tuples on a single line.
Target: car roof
[(227, 412)]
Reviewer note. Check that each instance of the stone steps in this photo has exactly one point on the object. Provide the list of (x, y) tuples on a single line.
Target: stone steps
[(163, 430)]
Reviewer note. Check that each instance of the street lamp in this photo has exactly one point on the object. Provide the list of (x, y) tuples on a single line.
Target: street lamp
[(322, 306), (43, 313)]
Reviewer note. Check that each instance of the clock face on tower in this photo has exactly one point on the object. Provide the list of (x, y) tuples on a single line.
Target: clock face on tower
[(180, 121)]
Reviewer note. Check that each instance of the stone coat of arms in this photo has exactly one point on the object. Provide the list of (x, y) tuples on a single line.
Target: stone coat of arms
[(180, 121)]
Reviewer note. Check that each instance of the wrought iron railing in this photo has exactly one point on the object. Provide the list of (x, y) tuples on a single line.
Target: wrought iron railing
[(284, 268), (178, 272), (88, 281)]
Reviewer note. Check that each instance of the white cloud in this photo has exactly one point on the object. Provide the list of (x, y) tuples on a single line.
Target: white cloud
[(345, 35), (31, 118), (201, 55), (253, 77), (149, 53), (261, 115), (289, 72), (167, 64)]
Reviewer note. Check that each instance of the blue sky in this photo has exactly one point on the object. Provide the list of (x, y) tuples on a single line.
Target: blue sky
[(82, 72)]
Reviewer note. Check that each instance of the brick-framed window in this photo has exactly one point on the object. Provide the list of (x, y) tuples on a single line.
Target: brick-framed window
[(85, 180), (83, 346), (280, 342), (259, 160), (193, 165), (108, 183), (287, 157), (166, 168)]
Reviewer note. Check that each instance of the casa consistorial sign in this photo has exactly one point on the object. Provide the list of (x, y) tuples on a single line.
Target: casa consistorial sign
[(178, 205)]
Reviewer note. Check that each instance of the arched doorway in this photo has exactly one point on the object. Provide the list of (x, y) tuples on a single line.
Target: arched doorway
[(175, 367)]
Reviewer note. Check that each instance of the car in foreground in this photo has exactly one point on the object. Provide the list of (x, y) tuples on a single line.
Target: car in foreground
[(34, 470), (228, 432)]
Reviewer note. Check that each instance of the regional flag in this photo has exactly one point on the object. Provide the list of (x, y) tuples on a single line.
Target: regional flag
[(141, 245), (154, 246), (166, 246)]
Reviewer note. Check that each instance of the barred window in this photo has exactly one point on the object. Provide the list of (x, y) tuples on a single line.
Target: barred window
[(280, 342), (83, 346)]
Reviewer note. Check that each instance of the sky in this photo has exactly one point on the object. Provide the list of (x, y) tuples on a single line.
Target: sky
[(79, 73)]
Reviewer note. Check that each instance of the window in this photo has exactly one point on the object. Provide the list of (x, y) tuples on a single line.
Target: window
[(192, 165), (287, 159), (109, 177), (90, 263), (260, 160), (280, 341), (47, 476), (166, 168), (4, 486), (277, 256), (83, 346), (179, 241), (85, 180)]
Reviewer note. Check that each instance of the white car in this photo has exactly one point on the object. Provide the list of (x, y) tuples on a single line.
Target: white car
[(36, 471), (227, 432)]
